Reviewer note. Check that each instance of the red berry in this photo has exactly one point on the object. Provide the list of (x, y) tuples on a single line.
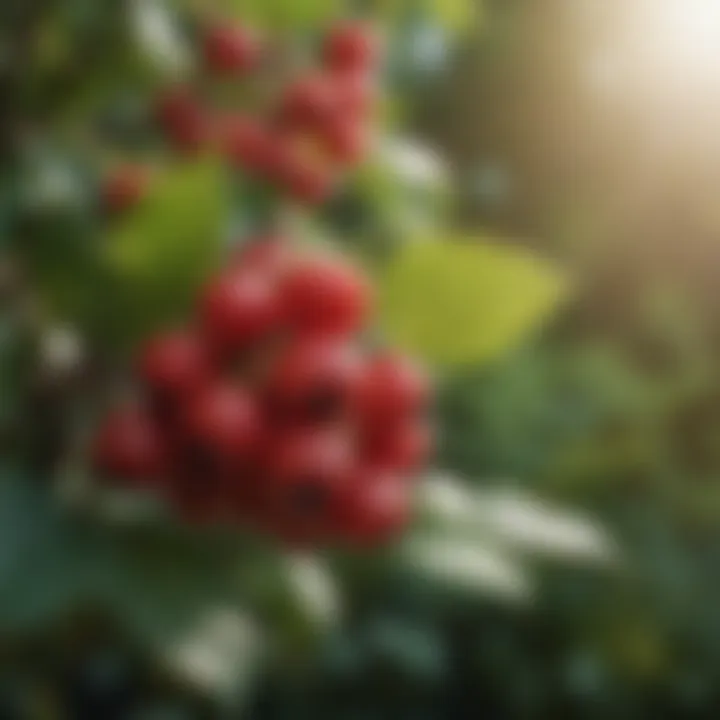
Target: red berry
[(183, 120), (124, 188), (351, 46), (305, 181), (375, 506), (223, 420), (130, 446), (402, 448), (356, 93), (345, 140), (231, 49), (173, 366), (315, 379), (307, 471), (248, 145), (238, 309), (325, 296), (266, 254), (309, 103), (393, 387)]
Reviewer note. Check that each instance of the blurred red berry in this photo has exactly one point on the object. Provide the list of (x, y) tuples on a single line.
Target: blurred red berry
[(306, 182), (230, 49), (248, 145), (375, 506), (307, 471), (184, 121), (130, 447), (351, 46), (238, 309), (173, 366), (264, 253), (124, 188), (325, 296), (223, 419), (402, 448), (309, 103), (346, 141), (315, 379), (392, 387), (355, 94)]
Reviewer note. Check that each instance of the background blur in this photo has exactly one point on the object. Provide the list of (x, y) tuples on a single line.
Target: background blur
[(586, 131)]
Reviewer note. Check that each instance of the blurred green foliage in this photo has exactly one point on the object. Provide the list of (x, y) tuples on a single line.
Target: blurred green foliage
[(615, 407)]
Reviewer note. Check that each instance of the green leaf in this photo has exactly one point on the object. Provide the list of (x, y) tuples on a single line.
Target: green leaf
[(160, 255), (287, 13), (455, 15), (465, 301)]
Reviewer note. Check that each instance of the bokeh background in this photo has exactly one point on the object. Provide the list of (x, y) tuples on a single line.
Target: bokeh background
[(583, 132)]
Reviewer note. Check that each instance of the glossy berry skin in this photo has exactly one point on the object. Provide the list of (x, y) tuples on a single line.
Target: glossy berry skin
[(183, 120), (307, 471), (125, 188), (325, 297), (315, 380), (309, 103), (238, 309), (131, 448), (375, 506), (224, 421), (402, 448), (230, 49), (393, 387), (351, 46)]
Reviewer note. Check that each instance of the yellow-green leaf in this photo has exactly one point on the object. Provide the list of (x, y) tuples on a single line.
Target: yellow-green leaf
[(287, 13), (161, 253), (465, 301), (454, 15)]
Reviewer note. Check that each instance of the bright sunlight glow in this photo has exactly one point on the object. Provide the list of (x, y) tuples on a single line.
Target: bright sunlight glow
[(688, 31), (678, 36)]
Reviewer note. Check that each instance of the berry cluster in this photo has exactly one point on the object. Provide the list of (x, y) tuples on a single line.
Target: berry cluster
[(306, 134), (268, 412)]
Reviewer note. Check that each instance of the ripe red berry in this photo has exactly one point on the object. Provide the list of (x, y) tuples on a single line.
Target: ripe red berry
[(351, 46), (130, 447), (392, 387), (183, 120), (307, 471), (355, 93), (324, 296), (305, 181), (308, 103), (173, 366), (223, 420), (403, 448), (265, 254), (230, 49), (239, 308), (346, 140), (375, 506), (247, 144), (315, 379), (124, 188)]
